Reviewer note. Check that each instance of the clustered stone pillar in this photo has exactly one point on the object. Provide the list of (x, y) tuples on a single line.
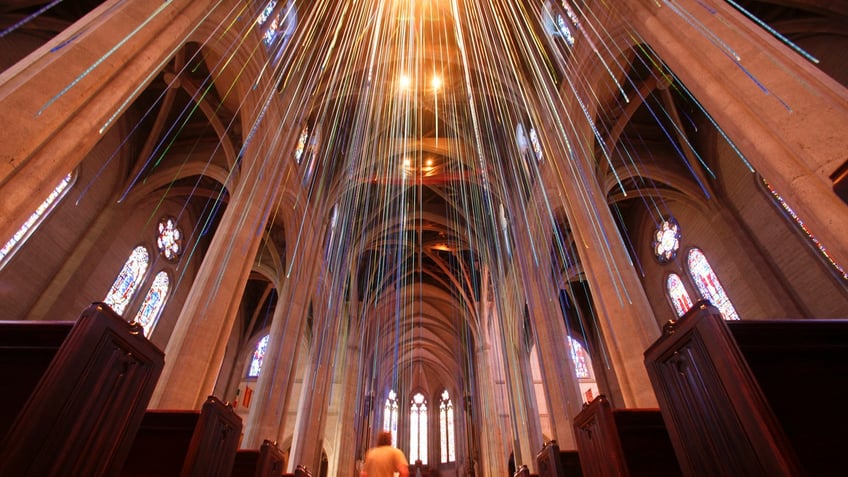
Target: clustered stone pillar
[(270, 404), (196, 348), (54, 104), (786, 117)]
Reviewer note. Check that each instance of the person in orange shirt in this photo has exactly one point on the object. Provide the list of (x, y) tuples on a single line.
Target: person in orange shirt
[(384, 460)]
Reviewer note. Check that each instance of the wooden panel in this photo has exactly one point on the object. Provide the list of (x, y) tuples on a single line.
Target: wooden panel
[(83, 413), (215, 441), (801, 368), (26, 350), (623, 442), (547, 460), (161, 444), (737, 396), (597, 440), (570, 461), (174, 443), (267, 461), (553, 462)]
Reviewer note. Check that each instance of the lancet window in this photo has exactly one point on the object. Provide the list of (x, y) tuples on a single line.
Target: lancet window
[(258, 357), (418, 429), (581, 360), (154, 301), (390, 416), (708, 284), (447, 434), (129, 278), (35, 219), (678, 295)]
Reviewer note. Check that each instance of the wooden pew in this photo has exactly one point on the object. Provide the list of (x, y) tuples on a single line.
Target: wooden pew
[(553, 462), (623, 442), (267, 461), (299, 471), (753, 397), (186, 443), (74, 393), (523, 471), (26, 350)]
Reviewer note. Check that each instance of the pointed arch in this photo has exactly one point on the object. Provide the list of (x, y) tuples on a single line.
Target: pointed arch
[(418, 428), (258, 357), (154, 302), (128, 280), (677, 294), (447, 433), (708, 283), (582, 362), (390, 415)]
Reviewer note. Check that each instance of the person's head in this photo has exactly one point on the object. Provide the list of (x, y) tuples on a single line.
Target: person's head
[(384, 438)]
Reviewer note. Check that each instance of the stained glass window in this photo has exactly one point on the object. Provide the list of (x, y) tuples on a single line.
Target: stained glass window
[(302, 140), (521, 139), (801, 225), (153, 303), (571, 15), (276, 25), (312, 147), (557, 24), (40, 212), (667, 240), (582, 364), (128, 280), (390, 416), (534, 142), (258, 357), (446, 429), (170, 239), (418, 429), (708, 284), (504, 223), (677, 294), (266, 12)]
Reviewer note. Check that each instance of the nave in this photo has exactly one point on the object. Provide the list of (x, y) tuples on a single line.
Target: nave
[(462, 221)]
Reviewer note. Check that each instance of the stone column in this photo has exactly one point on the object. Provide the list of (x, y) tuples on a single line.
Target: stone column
[(558, 373), (269, 407), (486, 414), (786, 117), (317, 384), (526, 435), (196, 348), (56, 103), (626, 320), (350, 400), (624, 316)]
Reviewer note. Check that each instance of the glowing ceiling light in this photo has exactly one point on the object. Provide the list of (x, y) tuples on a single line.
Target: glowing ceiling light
[(436, 82), (405, 82)]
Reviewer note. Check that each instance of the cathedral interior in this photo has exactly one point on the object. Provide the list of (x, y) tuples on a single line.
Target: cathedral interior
[(458, 220)]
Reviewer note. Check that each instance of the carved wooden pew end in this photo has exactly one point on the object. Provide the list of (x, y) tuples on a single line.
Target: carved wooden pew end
[(553, 462), (623, 442), (79, 399), (176, 443), (267, 461), (770, 394)]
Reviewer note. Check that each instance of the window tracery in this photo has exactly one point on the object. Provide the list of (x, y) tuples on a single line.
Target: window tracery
[(258, 357), (418, 429), (154, 302), (128, 280), (709, 285), (447, 439), (35, 219)]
